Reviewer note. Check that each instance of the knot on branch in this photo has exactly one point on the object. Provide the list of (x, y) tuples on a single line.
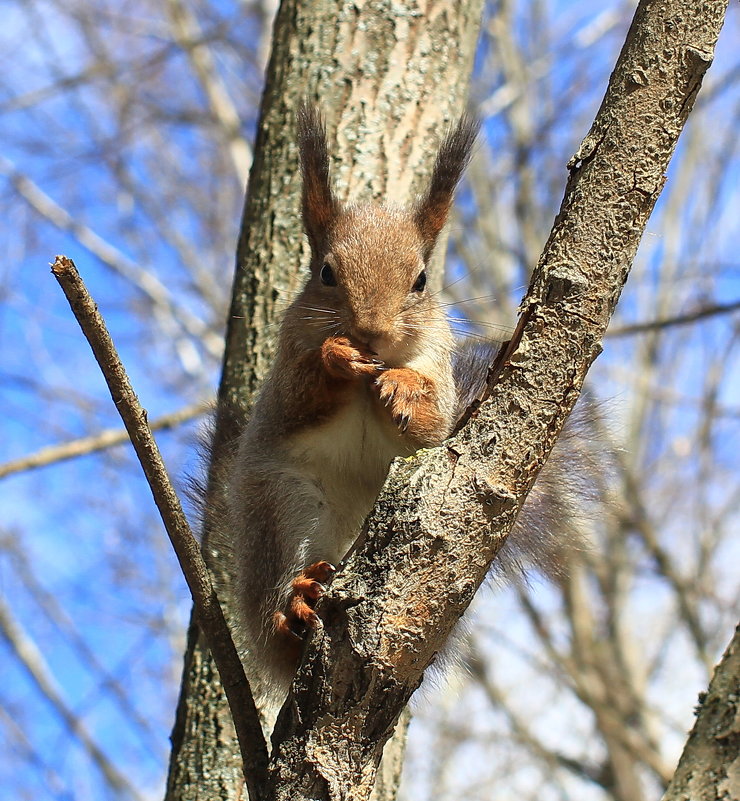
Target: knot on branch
[(564, 282), (494, 497)]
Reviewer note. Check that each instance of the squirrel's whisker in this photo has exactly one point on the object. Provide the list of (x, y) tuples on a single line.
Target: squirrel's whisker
[(479, 323), (319, 310), (466, 300)]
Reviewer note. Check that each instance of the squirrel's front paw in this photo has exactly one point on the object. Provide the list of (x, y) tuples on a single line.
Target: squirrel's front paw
[(343, 359), (308, 587), (411, 399)]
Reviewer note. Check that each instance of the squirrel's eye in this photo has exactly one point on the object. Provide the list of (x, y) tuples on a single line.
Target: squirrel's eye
[(421, 282), (327, 276)]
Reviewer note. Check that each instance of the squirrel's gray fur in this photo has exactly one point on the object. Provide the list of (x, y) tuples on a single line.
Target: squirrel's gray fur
[(366, 369)]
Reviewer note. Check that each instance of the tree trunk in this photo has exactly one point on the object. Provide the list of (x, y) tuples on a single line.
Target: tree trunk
[(389, 78), (709, 769)]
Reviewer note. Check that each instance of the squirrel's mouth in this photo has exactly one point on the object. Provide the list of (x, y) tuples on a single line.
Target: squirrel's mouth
[(388, 343), (373, 341), (396, 353)]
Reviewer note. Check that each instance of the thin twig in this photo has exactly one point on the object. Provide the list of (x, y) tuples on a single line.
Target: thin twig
[(42, 676), (97, 442), (680, 319), (189, 37), (174, 318), (54, 611), (208, 610)]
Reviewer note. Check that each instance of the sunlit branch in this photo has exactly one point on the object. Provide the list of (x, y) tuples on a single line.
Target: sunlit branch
[(188, 35), (171, 316), (208, 609), (97, 442)]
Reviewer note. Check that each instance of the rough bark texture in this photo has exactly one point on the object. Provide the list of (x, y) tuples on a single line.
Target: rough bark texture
[(389, 77), (388, 776), (709, 769), (444, 513)]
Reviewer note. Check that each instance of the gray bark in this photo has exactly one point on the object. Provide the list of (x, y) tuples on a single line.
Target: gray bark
[(709, 769)]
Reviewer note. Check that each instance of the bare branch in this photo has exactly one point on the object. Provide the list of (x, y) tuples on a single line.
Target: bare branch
[(708, 769), (58, 616), (97, 442), (35, 665), (173, 317), (522, 730), (189, 36), (713, 310), (208, 609)]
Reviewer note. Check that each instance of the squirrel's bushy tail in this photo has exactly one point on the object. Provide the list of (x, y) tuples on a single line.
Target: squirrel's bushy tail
[(550, 529)]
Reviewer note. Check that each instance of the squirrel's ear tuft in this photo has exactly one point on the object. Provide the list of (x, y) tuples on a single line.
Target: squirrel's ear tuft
[(319, 205), (452, 159)]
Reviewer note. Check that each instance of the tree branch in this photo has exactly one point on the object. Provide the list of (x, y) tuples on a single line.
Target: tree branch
[(97, 442), (42, 676), (174, 318), (208, 610), (702, 313), (445, 513), (709, 768)]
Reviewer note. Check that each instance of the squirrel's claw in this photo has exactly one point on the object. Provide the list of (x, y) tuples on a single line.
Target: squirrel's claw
[(411, 401), (321, 571), (283, 626), (343, 359), (300, 615)]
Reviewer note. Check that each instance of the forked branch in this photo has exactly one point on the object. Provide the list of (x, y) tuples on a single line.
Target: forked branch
[(444, 514)]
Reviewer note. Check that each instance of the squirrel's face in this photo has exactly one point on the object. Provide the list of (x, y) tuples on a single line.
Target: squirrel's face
[(368, 267), (373, 277)]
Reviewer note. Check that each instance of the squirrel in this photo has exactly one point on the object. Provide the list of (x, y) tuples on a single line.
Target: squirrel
[(366, 370)]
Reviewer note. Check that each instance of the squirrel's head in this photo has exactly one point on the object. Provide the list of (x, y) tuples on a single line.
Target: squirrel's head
[(369, 262)]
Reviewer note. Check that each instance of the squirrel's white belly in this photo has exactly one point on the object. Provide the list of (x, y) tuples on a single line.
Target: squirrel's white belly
[(348, 459)]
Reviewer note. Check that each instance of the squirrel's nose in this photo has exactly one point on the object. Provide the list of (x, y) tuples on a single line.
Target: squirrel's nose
[(369, 333)]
